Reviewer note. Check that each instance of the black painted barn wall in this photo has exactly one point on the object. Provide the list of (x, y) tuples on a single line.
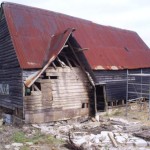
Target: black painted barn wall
[(116, 83), (10, 72)]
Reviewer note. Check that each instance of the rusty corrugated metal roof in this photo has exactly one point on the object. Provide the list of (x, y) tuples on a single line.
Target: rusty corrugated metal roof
[(55, 46), (109, 47)]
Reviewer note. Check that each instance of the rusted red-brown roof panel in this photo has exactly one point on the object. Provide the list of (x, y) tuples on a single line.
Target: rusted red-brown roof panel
[(109, 47), (56, 44)]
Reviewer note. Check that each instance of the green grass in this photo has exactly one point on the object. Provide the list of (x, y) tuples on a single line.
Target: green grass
[(25, 148), (19, 137), (37, 138)]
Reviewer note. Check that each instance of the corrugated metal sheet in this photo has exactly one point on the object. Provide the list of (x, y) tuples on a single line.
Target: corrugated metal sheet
[(109, 47), (55, 46)]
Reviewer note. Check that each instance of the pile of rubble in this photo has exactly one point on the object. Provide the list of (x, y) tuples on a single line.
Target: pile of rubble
[(92, 134)]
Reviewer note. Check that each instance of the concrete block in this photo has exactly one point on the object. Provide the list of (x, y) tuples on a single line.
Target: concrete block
[(120, 139), (140, 143)]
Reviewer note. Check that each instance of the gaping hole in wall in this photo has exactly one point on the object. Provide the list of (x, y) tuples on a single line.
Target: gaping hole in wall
[(85, 105), (38, 85), (53, 77), (28, 91), (44, 76), (100, 98), (68, 57)]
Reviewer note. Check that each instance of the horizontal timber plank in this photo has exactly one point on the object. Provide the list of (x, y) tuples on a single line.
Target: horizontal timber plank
[(68, 102), (58, 101), (43, 110), (71, 99), (57, 87), (69, 84), (69, 107), (69, 76), (37, 108), (60, 69), (73, 72), (70, 95), (33, 103), (47, 116), (77, 90), (32, 96), (66, 108), (36, 93), (38, 104), (56, 94), (69, 80), (28, 98), (61, 80)]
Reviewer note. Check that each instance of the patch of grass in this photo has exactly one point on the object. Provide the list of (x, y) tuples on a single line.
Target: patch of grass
[(45, 139), (25, 148), (19, 137), (117, 113), (106, 114), (37, 138)]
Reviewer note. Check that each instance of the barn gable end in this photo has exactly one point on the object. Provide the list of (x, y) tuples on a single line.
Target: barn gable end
[(63, 91)]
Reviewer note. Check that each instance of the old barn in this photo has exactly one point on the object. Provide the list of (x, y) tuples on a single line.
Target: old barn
[(57, 67)]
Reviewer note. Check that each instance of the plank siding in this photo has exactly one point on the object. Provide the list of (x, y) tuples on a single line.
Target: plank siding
[(115, 81), (68, 92), (10, 72)]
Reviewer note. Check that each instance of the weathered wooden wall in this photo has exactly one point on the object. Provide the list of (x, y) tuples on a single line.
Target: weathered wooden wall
[(115, 81), (10, 72), (64, 94)]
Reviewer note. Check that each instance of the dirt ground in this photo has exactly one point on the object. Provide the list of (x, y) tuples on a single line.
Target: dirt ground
[(31, 138), (134, 112)]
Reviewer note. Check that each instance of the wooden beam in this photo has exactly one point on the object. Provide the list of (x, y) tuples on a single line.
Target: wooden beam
[(65, 46), (54, 65), (113, 140), (36, 88), (68, 62), (81, 49), (62, 64)]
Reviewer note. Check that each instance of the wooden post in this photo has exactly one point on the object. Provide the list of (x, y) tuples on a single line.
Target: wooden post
[(105, 99), (113, 140)]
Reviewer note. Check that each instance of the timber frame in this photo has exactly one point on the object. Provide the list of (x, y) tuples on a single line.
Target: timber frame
[(63, 91)]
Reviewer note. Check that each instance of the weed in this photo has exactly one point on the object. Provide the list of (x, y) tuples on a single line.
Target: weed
[(25, 148), (116, 113), (19, 137), (37, 138)]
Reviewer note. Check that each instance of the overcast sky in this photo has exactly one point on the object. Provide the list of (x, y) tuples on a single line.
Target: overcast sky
[(127, 14)]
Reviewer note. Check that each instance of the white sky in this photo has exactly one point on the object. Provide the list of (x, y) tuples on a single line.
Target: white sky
[(127, 14)]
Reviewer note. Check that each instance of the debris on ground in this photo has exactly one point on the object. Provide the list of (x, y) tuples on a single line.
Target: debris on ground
[(113, 133), (100, 133)]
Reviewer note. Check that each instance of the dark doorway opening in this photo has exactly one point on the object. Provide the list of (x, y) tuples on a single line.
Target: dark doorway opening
[(100, 98)]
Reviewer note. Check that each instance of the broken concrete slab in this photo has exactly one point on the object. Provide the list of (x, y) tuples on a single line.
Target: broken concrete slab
[(132, 128), (140, 143), (17, 144), (143, 134), (7, 146), (120, 139)]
